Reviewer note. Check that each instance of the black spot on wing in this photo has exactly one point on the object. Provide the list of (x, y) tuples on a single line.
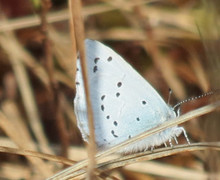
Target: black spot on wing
[(115, 123), (96, 60), (95, 69), (109, 59), (138, 119), (77, 83), (113, 133), (117, 94), (102, 97), (108, 117), (144, 102), (102, 107), (119, 84)]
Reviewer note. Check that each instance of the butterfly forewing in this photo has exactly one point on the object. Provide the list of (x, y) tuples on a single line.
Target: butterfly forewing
[(124, 104)]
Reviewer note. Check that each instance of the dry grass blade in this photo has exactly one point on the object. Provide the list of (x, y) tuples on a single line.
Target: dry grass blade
[(154, 36), (62, 15), (176, 121), (27, 94), (54, 93), (158, 153), (147, 155), (46, 42), (196, 113), (165, 170), (10, 129), (79, 39), (161, 62), (19, 171), (29, 153), (11, 111), (134, 34), (65, 56), (14, 48), (202, 78)]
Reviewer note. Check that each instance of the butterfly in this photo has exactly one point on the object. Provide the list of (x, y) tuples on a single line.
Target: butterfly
[(124, 104)]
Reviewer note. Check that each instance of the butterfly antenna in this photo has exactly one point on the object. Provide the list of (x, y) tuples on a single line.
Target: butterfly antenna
[(169, 97), (193, 98)]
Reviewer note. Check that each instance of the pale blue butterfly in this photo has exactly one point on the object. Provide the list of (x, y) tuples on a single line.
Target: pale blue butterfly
[(124, 104)]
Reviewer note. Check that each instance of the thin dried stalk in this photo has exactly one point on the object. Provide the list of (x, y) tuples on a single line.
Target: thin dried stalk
[(162, 63), (11, 111), (28, 153), (19, 171), (201, 75), (65, 56), (143, 156), (72, 34), (162, 34), (62, 15), (11, 45), (46, 4), (54, 86), (195, 113), (158, 153), (26, 93), (9, 128), (166, 170), (75, 8)]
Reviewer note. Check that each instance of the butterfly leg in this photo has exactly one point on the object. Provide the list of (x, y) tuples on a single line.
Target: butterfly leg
[(180, 130), (175, 138), (184, 132), (165, 144), (152, 148), (170, 141)]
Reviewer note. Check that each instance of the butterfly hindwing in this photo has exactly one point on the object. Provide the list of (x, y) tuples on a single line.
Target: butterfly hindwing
[(124, 104)]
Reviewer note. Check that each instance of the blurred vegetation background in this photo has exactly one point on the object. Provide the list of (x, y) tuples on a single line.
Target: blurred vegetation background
[(173, 44)]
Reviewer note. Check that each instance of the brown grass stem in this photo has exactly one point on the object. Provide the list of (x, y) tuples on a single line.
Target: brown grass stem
[(186, 117), (79, 38)]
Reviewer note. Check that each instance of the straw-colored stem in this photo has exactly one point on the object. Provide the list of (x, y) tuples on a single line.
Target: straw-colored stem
[(28, 153), (54, 93), (12, 132), (161, 62), (196, 113), (79, 37), (26, 91)]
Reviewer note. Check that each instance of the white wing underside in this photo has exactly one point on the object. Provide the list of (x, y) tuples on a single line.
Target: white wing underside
[(124, 104)]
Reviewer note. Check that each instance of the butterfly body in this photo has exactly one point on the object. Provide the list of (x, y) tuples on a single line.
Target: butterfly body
[(124, 104)]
